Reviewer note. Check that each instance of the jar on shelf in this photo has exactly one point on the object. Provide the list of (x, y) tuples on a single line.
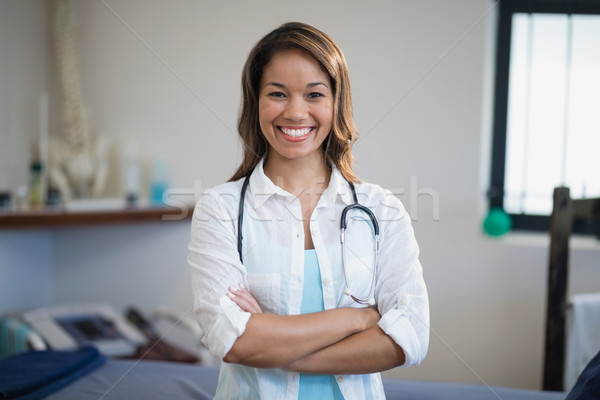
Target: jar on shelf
[(36, 185)]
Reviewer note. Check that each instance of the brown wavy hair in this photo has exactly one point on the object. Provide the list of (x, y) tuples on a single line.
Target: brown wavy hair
[(296, 35)]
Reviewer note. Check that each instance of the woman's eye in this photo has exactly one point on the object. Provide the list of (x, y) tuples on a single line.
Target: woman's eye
[(315, 95), (276, 94)]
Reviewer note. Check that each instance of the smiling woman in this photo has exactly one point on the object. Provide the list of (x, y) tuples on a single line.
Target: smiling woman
[(321, 50), (279, 310), (295, 108)]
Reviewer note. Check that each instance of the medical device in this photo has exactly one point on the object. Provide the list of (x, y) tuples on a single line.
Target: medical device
[(370, 299), (68, 327)]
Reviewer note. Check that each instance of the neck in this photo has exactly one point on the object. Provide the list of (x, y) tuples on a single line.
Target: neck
[(299, 175)]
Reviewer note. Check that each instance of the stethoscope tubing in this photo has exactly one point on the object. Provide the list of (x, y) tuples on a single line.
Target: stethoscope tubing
[(370, 300)]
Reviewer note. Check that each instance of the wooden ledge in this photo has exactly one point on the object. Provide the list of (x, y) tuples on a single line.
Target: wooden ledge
[(60, 219)]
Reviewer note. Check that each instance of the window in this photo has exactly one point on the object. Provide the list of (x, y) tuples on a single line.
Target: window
[(547, 108)]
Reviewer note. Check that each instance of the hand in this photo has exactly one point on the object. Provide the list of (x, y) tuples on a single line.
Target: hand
[(370, 317), (244, 300)]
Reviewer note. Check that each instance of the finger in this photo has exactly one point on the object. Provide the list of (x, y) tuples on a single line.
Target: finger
[(252, 303), (240, 301), (251, 299), (245, 300)]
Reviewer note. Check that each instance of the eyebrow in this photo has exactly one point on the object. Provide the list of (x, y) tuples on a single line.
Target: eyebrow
[(310, 85)]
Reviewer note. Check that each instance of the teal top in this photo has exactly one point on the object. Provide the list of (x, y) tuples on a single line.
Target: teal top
[(314, 386)]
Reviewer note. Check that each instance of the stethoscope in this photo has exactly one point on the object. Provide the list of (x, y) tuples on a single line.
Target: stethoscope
[(370, 299)]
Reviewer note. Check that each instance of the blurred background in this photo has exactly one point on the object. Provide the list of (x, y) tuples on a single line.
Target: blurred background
[(160, 85)]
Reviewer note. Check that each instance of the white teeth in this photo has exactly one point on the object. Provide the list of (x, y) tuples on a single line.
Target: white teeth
[(296, 132)]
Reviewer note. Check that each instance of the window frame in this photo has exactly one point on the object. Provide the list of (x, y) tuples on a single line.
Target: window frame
[(522, 222)]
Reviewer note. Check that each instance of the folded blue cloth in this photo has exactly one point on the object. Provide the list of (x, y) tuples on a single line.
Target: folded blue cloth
[(588, 383), (36, 374)]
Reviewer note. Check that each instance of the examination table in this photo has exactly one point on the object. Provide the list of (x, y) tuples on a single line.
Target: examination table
[(119, 379), (86, 374)]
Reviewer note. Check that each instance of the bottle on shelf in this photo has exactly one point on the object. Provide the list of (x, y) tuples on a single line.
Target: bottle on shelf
[(36, 186), (131, 174), (159, 183)]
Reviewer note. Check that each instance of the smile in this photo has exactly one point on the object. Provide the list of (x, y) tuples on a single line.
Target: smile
[(296, 132)]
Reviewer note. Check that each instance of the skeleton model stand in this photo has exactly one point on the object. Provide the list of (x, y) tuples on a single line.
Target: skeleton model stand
[(78, 162)]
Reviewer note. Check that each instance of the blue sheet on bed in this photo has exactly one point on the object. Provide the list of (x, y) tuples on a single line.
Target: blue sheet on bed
[(36, 374), (159, 380)]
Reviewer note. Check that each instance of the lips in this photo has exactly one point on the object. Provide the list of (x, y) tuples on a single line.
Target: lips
[(296, 133)]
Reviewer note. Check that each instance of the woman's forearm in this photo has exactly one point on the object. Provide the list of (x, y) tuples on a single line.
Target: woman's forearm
[(366, 352), (271, 341)]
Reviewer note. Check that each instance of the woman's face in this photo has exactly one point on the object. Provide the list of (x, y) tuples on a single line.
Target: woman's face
[(295, 106)]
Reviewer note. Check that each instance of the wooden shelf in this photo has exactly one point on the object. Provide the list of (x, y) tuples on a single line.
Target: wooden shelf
[(59, 219)]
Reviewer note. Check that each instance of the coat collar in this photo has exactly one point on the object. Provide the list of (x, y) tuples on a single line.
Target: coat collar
[(262, 188)]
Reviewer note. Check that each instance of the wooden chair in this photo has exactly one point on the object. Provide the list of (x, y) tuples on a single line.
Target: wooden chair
[(565, 212)]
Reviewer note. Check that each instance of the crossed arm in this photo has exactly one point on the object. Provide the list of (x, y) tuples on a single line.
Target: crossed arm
[(338, 341)]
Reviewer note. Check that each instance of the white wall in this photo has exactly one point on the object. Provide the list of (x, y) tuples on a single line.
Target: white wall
[(129, 265), (24, 61), (25, 270), (166, 75), (25, 256)]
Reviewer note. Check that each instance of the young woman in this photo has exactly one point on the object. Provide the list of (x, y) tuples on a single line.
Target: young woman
[(293, 312)]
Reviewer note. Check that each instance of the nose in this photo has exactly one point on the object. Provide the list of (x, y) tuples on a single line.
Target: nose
[(296, 110)]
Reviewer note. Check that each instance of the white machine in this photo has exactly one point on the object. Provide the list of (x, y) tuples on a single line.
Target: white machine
[(71, 326)]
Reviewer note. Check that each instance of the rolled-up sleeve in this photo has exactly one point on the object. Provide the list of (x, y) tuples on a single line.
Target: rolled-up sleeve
[(215, 266), (401, 292)]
